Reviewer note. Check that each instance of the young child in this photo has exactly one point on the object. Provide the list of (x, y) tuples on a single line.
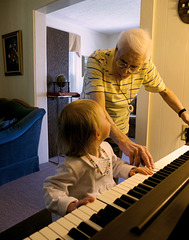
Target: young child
[(90, 163)]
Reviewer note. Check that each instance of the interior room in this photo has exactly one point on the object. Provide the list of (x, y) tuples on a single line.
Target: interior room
[(47, 27)]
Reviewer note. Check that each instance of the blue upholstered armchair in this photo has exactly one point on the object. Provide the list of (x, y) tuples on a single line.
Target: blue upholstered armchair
[(20, 127)]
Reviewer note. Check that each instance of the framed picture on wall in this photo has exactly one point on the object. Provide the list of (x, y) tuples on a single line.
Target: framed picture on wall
[(12, 52)]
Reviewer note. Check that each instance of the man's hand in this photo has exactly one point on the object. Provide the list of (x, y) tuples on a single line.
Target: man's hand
[(136, 153), (73, 205)]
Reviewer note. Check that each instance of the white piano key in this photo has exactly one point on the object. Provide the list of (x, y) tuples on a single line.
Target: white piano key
[(37, 236), (134, 181), (141, 177), (128, 184), (72, 218), (109, 201), (66, 223), (109, 195), (61, 231), (104, 199), (87, 210), (96, 205), (86, 217), (49, 234), (94, 225), (114, 193), (119, 190), (125, 188), (27, 238), (78, 213)]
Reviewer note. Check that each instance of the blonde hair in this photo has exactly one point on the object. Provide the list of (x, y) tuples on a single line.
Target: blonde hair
[(78, 122), (138, 40)]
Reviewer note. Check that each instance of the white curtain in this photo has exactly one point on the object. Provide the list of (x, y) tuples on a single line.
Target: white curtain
[(75, 43)]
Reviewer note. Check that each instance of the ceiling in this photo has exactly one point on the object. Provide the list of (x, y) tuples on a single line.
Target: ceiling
[(105, 16)]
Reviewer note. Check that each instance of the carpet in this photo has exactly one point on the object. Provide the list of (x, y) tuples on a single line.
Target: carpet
[(22, 198)]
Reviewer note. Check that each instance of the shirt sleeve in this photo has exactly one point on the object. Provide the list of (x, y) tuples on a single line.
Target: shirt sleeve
[(121, 168), (56, 192), (153, 81), (93, 80)]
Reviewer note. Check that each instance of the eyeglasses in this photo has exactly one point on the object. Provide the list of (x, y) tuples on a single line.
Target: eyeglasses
[(132, 69)]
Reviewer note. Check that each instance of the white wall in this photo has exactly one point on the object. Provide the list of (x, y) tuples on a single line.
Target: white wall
[(40, 78), (90, 40)]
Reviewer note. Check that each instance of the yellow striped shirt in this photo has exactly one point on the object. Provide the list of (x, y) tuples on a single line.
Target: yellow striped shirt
[(99, 78)]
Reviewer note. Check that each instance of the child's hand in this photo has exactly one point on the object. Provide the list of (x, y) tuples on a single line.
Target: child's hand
[(143, 170), (72, 206)]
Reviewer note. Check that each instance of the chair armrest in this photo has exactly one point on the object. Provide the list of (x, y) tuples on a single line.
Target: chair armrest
[(21, 126)]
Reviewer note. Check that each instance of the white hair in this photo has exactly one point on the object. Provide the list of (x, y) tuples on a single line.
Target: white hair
[(136, 39)]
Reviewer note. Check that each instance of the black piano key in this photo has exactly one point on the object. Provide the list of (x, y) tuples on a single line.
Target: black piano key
[(179, 161), (169, 169), (172, 166), (144, 186), (164, 172), (84, 227), (140, 190), (150, 183), (135, 194), (159, 176), (154, 179), (128, 199), (176, 164), (112, 210), (77, 235), (186, 153), (96, 218), (106, 216), (122, 203), (183, 157)]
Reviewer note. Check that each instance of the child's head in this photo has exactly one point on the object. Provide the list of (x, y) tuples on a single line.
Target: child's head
[(79, 123)]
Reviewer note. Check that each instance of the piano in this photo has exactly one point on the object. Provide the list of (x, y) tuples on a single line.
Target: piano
[(141, 207)]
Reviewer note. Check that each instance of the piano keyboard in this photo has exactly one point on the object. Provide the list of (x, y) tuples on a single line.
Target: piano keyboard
[(84, 222)]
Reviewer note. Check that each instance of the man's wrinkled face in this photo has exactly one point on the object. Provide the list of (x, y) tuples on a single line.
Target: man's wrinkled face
[(125, 63)]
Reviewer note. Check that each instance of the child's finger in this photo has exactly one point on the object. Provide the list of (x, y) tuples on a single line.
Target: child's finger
[(90, 198), (84, 201), (146, 171)]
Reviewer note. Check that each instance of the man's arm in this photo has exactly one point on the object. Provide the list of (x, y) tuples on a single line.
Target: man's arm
[(172, 100), (135, 152)]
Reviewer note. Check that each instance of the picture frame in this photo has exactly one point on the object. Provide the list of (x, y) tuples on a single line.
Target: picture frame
[(13, 53)]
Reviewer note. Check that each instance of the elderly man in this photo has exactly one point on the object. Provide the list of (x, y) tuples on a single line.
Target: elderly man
[(114, 77)]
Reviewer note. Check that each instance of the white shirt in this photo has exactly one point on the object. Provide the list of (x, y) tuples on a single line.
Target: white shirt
[(77, 178)]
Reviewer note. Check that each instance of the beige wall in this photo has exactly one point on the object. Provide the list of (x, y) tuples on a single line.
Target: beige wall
[(171, 56), (15, 15)]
